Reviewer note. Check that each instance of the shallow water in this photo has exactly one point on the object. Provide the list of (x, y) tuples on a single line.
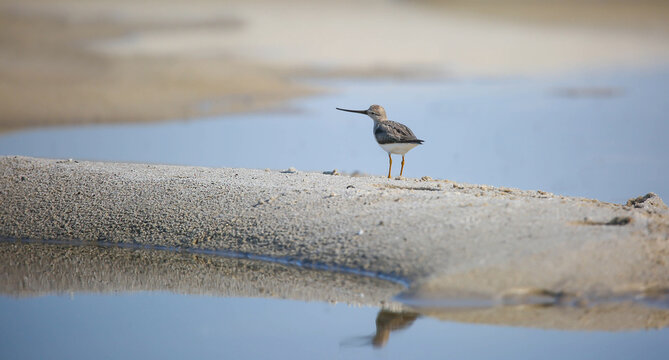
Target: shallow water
[(601, 135), (164, 325)]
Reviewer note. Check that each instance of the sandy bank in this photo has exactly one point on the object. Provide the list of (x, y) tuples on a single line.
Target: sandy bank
[(465, 236), (446, 240)]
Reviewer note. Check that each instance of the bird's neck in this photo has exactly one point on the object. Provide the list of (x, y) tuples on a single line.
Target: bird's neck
[(377, 123)]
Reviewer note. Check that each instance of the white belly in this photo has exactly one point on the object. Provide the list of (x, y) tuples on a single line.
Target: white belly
[(398, 148)]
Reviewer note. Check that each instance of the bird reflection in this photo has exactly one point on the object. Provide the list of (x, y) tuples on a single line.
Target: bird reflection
[(387, 321)]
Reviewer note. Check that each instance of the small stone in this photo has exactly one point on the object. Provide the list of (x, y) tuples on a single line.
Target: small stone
[(425, 178), (650, 202)]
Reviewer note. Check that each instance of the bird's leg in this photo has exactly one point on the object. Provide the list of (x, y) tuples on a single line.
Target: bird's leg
[(391, 164), (402, 169)]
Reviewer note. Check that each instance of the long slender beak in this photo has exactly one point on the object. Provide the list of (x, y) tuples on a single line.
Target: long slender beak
[(354, 111)]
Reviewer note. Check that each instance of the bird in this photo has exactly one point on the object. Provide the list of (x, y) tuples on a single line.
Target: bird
[(393, 137)]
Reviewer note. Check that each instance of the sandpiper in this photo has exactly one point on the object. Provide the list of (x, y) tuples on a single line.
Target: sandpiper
[(393, 137)]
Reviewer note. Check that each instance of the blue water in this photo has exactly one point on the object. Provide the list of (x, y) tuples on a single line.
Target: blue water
[(170, 326), (514, 132)]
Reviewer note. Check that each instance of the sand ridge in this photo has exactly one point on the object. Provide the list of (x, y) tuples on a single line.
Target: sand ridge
[(437, 233), (583, 260)]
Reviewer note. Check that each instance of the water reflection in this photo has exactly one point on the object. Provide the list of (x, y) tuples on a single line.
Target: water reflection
[(388, 321), (37, 269), (52, 291)]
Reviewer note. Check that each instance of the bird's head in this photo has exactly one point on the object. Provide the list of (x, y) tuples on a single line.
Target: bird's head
[(376, 112)]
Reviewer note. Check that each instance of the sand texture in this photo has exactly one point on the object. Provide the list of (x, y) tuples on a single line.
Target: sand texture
[(444, 240)]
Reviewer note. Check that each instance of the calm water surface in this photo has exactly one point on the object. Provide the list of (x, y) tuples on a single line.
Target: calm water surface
[(170, 326)]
